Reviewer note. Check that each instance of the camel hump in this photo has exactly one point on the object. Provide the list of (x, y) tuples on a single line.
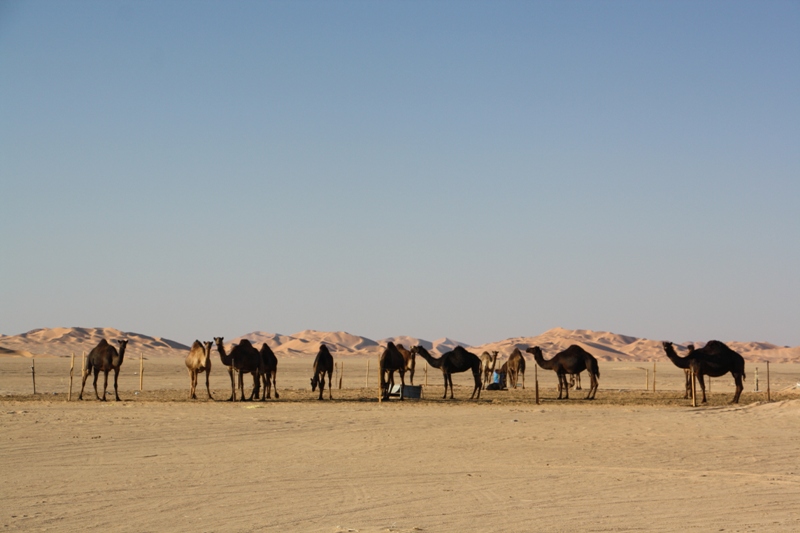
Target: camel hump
[(196, 345), (246, 343)]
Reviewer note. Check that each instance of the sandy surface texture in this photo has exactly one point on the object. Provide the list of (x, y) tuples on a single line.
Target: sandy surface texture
[(630, 461)]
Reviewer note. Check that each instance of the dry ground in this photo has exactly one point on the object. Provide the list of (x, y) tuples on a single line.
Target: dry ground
[(629, 461)]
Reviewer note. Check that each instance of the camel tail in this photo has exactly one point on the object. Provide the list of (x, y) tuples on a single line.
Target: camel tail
[(594, 368)]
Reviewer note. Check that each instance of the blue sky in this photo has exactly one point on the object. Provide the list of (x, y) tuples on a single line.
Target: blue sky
[(476, 170)]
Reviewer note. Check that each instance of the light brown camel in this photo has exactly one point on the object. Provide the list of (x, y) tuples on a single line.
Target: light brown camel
[(270, 372), (104, 358), (488, 366), (391, 361), (323, 364), (457, 360), (573, 360), (515, 365), (575, 381), (714, 359), (411, 361), (244, 358), (199, 360)]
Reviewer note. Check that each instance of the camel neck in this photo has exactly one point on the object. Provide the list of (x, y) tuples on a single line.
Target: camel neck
[(680, 362), (435, 363)]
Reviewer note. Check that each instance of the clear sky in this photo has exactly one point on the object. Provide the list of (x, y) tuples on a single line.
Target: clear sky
[(475, 170)]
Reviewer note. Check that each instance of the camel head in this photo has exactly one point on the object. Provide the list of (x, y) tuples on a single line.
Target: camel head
[(690, 347), (314, 382), (416, 350), (207, 348), (218, 341), (122, 343), (667, 346), (535, 350)]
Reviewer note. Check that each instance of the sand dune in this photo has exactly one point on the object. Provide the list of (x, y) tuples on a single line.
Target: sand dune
[(606, 346)]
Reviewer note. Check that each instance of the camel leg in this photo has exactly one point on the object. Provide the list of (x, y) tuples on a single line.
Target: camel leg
[(116, 376), (402, 383), (208, 389), (563, 388), (274, 383), (83, 385), (330, 385), (478, 385), (191, 383), (105, 384), (450, 380), (321, 385), (702, 386), (688, 392), (411, 376), (739, 387), (523, 381), (94, 382), (592, 387), (233, 385)]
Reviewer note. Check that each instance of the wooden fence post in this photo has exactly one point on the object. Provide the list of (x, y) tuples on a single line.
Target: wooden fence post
[(83, 366), (536, 381), (141, 371), (71, 372), (646, 379), (769, 398), (654, 376), (694, 390), (33, 373), (366, 378), (426, 374)]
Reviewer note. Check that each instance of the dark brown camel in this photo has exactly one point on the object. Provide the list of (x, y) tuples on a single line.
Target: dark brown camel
[(323, 364), (458, 360), (488, 366), (270, 367), (683, 363), (199, 360), (391, 361), (104, 358), (411, 362), (515, 365), (714, 359), (244, 358), (573, 360)]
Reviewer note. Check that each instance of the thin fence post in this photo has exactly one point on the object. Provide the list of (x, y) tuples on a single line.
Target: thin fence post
[(83, 366), (426, 374), (71, 372), (694, 390), (646, 379), (366, 378), (536, 381), (769, 398), (33, 373), (756, 389), (654, 376), (141, 371)]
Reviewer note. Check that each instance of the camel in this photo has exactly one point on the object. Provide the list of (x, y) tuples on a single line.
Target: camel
[(199, 360), (104, 358), (457, 360), (244, 358), (411, 361), (323, 364), (573, 360), (515, 365), (714, 359), (270, 363), (575, 381), (488, 366), (682, 363), (391, 360)]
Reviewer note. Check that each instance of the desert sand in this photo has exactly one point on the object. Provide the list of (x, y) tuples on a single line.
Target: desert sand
[(631, 460)]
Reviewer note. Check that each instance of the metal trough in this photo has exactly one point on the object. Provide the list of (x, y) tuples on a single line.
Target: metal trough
[(409, 391)]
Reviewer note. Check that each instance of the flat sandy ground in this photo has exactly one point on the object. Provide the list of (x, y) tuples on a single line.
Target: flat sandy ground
[(629, 461)]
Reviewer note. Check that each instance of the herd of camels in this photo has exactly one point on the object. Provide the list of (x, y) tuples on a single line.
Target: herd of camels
[(715, 359)]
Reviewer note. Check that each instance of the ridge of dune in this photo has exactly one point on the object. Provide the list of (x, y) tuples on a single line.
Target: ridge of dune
[(604, 345)]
